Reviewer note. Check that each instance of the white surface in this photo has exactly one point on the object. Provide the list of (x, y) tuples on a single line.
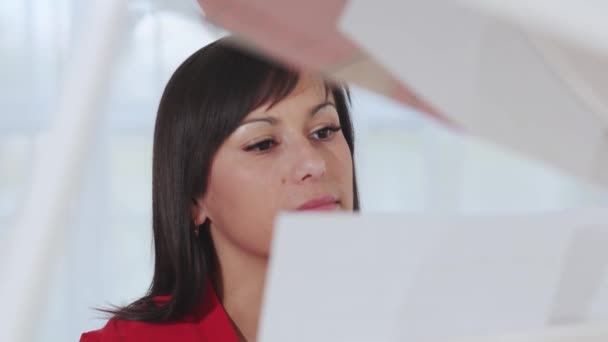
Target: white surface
[(417, 278), (574, 333), (495, 78)]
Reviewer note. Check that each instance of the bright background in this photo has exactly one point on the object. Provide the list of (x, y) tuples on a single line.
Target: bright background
[(405, 162)]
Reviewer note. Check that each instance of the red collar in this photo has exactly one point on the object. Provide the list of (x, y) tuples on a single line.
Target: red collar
[(210, 317), (214, 323)]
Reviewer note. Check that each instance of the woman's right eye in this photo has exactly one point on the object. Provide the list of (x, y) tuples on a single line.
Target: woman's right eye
[(261, 146)]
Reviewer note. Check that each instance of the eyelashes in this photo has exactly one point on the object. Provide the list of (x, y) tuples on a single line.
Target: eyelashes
[(322, 134), (261, 146), (326, 132)]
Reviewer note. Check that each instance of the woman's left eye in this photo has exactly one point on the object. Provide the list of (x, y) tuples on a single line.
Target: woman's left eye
[(325, 133)]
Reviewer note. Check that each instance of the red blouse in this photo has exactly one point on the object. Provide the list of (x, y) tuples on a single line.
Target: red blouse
[(209, 323)]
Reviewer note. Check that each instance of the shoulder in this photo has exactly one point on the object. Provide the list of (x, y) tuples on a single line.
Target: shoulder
[(116, 330), (127, 331)]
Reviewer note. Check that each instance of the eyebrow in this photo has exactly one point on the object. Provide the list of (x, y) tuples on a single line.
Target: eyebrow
[(273, 121), (320, 106)]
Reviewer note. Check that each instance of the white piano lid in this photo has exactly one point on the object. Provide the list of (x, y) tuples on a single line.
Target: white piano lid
[(499, 75), (580, 22)]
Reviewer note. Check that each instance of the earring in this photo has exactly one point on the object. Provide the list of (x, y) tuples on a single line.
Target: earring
[(198, 228)]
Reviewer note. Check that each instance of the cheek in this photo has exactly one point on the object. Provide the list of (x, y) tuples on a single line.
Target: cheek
[(342, 170), (248, 186), (242, 200)]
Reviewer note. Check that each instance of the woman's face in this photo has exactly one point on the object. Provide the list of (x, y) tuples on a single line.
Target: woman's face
[(290, 157)]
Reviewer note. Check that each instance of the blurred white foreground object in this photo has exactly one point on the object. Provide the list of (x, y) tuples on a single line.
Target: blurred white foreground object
[(574, 333), (427, 278)]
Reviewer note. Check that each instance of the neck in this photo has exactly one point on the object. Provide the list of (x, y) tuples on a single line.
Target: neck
[(240, 286)]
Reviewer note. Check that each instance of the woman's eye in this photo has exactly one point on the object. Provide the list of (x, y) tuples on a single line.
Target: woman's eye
[(325, 133), (261, 146)]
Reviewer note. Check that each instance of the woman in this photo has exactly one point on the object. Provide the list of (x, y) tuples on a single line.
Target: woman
[(237, 140)]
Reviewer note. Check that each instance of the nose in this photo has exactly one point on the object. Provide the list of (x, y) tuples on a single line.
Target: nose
[(309, 163)]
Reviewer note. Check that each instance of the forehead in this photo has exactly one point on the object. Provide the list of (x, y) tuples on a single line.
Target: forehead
[(310, 86), (308, 92)]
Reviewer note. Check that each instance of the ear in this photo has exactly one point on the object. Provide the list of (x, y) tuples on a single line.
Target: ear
[(198, 211)]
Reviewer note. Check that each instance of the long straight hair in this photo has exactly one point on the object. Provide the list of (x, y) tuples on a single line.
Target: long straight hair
[(203, 103)]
